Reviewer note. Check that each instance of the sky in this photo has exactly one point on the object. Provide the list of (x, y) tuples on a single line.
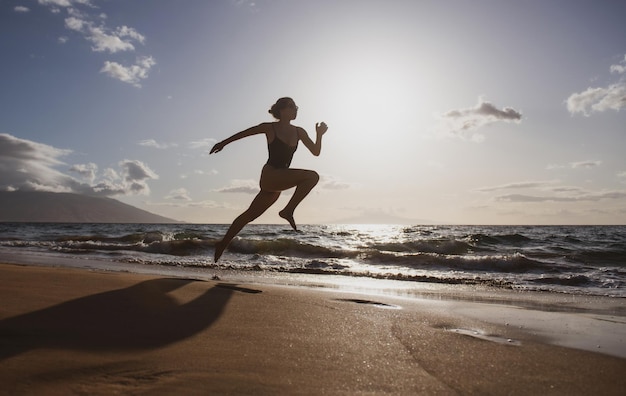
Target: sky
[(453, 112)]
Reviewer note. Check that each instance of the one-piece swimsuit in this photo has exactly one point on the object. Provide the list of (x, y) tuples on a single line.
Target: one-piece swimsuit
[(280, 153)]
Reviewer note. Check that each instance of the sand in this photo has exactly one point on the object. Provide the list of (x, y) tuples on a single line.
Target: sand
[(67, 331)]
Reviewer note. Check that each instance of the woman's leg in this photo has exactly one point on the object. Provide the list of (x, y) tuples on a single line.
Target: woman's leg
[(302, 190), (283, 179), (260, 203)]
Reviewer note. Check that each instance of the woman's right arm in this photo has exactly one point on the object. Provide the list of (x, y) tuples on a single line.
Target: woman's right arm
[(255, 130)]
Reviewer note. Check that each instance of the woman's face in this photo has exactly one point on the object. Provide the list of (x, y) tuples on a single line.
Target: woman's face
[(289, 112)]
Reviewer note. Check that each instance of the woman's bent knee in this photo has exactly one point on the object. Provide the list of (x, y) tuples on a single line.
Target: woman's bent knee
[(314, 176)]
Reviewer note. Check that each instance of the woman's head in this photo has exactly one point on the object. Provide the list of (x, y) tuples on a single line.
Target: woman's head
[(282, 103)]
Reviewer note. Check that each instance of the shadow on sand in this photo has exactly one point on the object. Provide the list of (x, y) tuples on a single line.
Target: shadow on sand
[(139, 317)]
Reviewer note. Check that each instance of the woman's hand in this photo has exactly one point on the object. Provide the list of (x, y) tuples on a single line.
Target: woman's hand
[(217, 148), (321, 128)]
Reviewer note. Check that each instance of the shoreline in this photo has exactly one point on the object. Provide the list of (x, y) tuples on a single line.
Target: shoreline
[(69, 330), (589, 322)]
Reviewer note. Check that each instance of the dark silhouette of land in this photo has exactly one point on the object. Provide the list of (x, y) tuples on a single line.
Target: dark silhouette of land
[(33, 206)]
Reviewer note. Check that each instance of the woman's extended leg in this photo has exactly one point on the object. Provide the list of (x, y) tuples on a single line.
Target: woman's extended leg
[(260, 203)]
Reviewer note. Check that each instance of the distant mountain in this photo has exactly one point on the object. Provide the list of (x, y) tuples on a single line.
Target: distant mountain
[(44, 207)]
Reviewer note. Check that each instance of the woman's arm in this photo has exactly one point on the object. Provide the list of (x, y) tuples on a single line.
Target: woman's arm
[(255, 130), (314, 148)]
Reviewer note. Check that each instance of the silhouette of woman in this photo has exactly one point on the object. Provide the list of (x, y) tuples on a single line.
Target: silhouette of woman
[(276, 176)]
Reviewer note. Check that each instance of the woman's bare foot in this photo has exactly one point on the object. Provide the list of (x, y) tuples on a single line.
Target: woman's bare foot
[(219, 249), (289, 217)]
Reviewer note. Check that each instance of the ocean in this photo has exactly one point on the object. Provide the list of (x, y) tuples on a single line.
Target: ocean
[(588, 260)]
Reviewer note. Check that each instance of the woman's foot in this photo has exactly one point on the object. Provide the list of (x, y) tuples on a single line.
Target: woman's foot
[(219, 249), (289, 217)]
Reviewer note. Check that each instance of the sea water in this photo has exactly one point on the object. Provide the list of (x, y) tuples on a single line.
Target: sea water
[(569, 259)]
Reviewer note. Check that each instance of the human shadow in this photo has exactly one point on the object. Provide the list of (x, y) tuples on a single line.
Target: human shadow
[(139, 317)]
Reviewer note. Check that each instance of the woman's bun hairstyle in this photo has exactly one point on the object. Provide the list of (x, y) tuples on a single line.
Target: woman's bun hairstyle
[(278, 106)]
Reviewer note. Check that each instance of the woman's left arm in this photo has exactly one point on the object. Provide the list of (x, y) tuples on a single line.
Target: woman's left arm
[(314, 148)]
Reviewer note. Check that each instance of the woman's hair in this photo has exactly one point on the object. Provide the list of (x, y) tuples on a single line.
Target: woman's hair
[(278, 106)]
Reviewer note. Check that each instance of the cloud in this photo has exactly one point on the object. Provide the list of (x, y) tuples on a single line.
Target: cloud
[(56, 3), (31, 166), (87, 171), (103, 38), (200, 172), (129, 74), (130, 180), (204, 143), (241, 186), (207, 204), (588, 164), (612, 97), (91, 27), (620, 67), (469, 119), (591, 197), (154, 144), (585, 164), (21, 9), (250, 5), (332, 183), (63, 3), (179, 194), (517, 185)]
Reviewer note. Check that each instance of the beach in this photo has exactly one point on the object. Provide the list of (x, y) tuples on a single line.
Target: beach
[(87, 330)]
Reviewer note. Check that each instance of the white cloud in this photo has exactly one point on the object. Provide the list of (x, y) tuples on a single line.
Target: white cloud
[(137, 171), (612, 97), (179, 194), (132, 179), (28, 165), (125, 31), (102, 38), (93, 28), (592, 197), (21, 9), (75, 24), (204, 143), (588, 164), (461, 121), (64, 3), (585, 164), (132, 74), (620, 67), (87, 171), (517, 185), (250, 5), (154, 144), (56, 3), (31, 166), (241, 186), (107, 42), (332, 183), (200, 172)]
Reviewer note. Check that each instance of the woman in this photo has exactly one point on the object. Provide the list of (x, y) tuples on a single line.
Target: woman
[(276, 176)]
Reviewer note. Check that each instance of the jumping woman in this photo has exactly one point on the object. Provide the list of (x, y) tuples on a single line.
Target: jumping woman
[(276, 176)]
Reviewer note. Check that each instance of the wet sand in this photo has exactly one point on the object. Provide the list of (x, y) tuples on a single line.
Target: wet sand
[(86, 331)]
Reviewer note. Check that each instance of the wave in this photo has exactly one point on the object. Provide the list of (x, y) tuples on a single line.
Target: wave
[(580, 258)]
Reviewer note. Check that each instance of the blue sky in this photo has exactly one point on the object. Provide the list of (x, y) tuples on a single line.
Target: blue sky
[(466, 112)]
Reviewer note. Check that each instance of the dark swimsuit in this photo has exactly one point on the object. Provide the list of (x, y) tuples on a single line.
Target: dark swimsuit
[(280, 153)]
